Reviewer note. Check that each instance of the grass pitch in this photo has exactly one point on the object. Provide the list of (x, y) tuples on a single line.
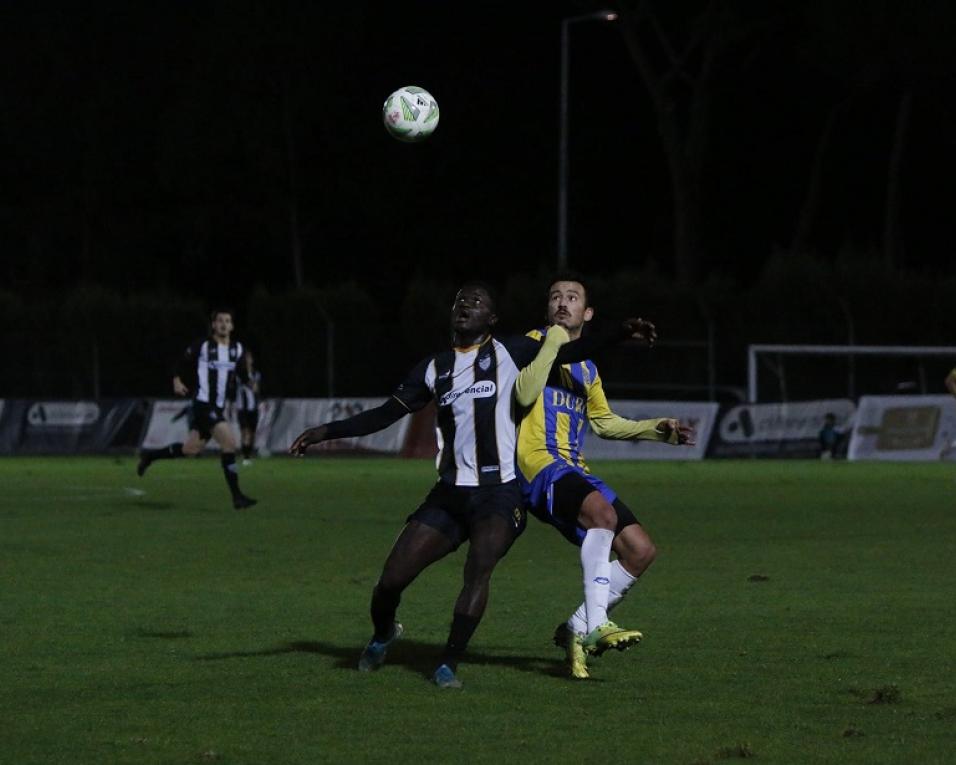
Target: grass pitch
[(797, 613)]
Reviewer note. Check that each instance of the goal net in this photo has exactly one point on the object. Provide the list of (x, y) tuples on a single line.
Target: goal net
[(802, 372)]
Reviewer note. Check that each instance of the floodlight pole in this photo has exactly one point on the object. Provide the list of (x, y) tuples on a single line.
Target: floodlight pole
[(563, 128)]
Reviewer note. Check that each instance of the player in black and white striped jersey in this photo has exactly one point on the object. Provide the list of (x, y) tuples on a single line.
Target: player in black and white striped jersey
[(475, 385), (210, 367), (247, 406)]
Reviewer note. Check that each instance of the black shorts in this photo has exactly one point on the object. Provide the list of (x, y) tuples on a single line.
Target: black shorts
[(204, 417), (570, 491), (453, 509), (248, 418)]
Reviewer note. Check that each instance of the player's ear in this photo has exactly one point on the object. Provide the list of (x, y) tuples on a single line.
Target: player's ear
[(588, 313), (492, 319)]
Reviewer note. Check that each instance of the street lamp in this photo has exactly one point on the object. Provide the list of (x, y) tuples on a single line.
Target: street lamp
[(604, 15)]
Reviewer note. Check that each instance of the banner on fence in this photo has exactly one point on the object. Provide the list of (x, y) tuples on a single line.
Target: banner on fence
[(168, 423), (907, 428), (63, 427), (296, 414), (700, 415), (789, 429)]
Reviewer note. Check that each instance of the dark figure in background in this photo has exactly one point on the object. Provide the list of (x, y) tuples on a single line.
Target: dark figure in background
[(247, 407), (474, 384), (830, 437), (210, 367)]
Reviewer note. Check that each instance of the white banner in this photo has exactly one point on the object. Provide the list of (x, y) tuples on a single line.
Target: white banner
[(788, 429), (63, 414), (297, 414), (797, 421), (169, 424), (905, 428), (700, 415)]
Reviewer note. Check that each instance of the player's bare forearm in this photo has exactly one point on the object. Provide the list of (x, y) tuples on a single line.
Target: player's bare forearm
[(306, 439), (179, 388)]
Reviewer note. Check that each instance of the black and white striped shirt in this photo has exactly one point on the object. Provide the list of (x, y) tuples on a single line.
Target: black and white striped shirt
[(247, 400), (473, 389), (213, 367)]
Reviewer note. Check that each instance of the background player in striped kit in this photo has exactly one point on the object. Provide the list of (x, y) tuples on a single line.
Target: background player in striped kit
[(477, 497), (559, 489), (247, 406), (210, 367)]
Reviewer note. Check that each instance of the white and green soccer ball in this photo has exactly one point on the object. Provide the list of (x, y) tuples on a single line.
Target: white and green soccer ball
[(410, 114)]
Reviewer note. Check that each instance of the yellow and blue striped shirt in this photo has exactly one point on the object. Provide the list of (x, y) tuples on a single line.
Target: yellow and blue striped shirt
[(552, 429)]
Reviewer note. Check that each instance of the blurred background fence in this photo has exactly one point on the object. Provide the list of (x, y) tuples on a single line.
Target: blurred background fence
[(347, 339)]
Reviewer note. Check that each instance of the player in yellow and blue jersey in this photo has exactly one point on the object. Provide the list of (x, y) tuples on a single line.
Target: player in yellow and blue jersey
[(559, 489)]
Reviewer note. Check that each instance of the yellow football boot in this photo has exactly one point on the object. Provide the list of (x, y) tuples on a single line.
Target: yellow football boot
[(609, 635), (571, 642)]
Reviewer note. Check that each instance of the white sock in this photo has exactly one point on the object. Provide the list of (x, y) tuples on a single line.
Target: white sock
[(596, 564), (621, 582)]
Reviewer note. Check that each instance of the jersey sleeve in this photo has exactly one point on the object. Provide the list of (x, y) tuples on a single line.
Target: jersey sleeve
[(600, 335), (534, 376), (244, 365), (414, 392), (606, 424), (523, 348), (410, 396)]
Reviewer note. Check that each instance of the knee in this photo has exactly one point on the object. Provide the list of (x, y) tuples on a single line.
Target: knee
[(598, 513), (481, 565), (640, 556)]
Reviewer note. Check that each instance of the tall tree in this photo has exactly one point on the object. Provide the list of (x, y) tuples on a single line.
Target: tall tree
[(688, 54)]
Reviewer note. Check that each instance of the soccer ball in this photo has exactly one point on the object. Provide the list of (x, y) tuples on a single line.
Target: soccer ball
[(410, 114)]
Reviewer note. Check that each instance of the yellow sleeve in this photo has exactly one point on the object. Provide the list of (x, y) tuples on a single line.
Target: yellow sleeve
[(532, 379), (606, 424)]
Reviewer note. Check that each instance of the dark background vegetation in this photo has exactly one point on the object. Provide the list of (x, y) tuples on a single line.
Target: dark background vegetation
[(740, 171)]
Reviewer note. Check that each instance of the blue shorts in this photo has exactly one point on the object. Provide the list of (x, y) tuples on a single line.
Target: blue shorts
[(561, 511)]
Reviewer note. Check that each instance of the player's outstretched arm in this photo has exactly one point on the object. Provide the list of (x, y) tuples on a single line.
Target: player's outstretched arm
[(606, 424), (605, 334), (306, 439), (672, 431), (532, 378), (663, 429), (369, 421)]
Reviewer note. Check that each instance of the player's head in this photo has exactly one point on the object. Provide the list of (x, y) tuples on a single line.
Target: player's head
[(474, 311), (568, 302), (220, 322)]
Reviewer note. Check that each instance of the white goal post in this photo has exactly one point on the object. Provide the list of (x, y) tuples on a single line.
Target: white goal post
[(754, 351)]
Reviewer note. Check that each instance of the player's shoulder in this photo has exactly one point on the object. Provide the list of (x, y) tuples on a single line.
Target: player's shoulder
[(590, 373)]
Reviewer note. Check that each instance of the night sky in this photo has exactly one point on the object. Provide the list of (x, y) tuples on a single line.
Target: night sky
[(148, 146)]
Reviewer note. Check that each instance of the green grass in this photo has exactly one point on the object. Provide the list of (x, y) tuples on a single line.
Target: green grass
[(167, 628)]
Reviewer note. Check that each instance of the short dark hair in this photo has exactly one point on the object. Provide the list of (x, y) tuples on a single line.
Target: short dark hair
[(482, 285), (570, 276), (216, 311)]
